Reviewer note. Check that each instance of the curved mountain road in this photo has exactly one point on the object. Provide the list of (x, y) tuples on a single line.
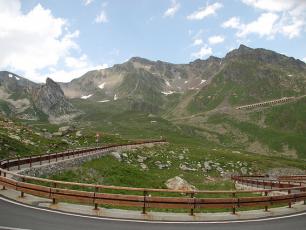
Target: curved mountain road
[(16, 216)]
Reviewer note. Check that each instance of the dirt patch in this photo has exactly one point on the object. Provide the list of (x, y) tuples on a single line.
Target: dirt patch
[(257, 147)]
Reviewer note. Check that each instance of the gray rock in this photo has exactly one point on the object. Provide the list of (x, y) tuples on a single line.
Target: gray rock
[(117, 155), (141, 159), (78, 133), (178, 183), (244, 170), (143, 166), (207, 166), (186, 168), (58, 134)]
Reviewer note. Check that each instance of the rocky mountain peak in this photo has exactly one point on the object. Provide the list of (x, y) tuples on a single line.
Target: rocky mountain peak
[(53, 87)]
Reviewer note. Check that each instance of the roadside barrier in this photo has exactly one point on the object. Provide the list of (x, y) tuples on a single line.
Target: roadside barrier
[(146, 198)]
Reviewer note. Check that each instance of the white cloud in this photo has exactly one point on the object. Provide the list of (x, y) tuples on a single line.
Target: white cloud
[(35, 44), (68, 75), (272, 5), (205, 11), (61, 75), (171, 11), (197, 42), (73, 62), (304, 59), (233, 22), (203, 52), (291, 17), (87, 2), (263, 26), (213, 40), (33, 41), (102, 17)]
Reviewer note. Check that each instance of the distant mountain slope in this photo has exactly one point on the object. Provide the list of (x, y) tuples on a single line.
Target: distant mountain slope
[(198, 100), (27, 100)]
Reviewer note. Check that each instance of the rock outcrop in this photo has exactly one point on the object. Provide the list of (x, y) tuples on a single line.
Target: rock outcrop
[(178, 183)]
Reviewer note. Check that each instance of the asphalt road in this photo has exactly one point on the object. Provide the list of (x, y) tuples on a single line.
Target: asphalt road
[(15, 217)]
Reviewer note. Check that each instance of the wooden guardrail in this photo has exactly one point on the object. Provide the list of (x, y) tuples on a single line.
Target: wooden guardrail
[(57, 190), (29, 160), (146, 198)]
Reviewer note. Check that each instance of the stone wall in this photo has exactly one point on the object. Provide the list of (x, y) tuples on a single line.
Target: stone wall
[(62, 165)]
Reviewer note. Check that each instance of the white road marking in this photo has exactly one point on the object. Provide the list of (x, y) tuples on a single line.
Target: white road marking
[(155, 222), (9, 228)]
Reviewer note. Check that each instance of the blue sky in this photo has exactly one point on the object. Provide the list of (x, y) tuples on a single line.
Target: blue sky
[(64, 39)]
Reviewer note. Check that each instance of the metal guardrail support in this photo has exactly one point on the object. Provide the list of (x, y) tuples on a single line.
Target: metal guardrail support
[(4, 175), (289, 204), (18, 163), (96, 191), (22, 193), (234, 207), (30, 161), (144, 208), (192, 209), (266, 207), (53, 199)]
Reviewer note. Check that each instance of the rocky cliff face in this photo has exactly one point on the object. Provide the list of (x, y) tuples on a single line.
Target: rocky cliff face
[(50, 99), (24, 99)]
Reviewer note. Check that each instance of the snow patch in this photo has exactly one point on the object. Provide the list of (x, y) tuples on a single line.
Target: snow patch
[(101, 86), (202, 81), (115, 97), (168, 93), (17, 78), (103, 101), (153, 121), (86, 97), (290, 75), (186, 82), (10, 75)]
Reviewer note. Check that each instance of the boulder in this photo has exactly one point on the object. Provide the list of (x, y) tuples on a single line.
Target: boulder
[(78, 133), (186, 168), (207, 166), (244, 170), (143, 166), (117, 155), (65, 129), (141, 159), (178, 183)]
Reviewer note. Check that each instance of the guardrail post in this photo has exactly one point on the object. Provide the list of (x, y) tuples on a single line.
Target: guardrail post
[(22, 193), (234, 207), (4, 175), (145, 194), (266, 207), (96, 205), (49, 157), (8, 164), (264, 184), (56, 157), (18, 163), (40, 160), (289, 204), (30, 161), (192, 209), (53, 199)]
